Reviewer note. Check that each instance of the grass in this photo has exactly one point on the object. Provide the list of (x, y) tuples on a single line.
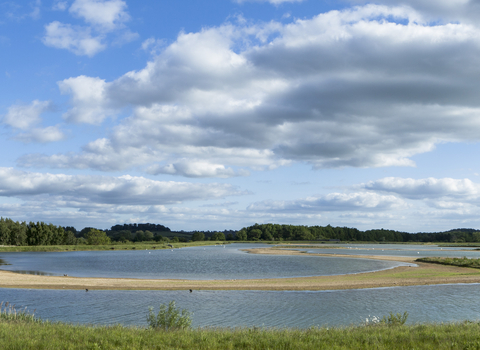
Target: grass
[(30, 335), (461, 262), (22, 330)]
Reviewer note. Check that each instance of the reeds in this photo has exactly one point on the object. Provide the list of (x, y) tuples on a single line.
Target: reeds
[(9, 313)]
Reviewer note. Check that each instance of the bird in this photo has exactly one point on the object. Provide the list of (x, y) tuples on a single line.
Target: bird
[(191, 290), (86, 289)]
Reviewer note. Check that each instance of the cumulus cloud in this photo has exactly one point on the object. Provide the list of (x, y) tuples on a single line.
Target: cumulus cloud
[(23, 116), (195, 169), (332, 202), (42, 135), (369, 86), (108, 15), (78, 40), (435, 10), (59, 5), (26, 117), (90, 104), (429, 188), (122, 190), (102, 18)]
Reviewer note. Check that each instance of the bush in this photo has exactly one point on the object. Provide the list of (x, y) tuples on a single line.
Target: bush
[(169, 318), (395, 319)]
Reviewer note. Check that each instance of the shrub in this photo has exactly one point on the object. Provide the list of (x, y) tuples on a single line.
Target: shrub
[(169, 318), (395, 319)]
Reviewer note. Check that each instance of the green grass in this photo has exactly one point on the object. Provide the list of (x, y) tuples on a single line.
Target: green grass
[(29, 335), (22, 330), (461, 262)]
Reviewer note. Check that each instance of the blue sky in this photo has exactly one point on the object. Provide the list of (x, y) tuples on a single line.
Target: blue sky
[(219, 114)]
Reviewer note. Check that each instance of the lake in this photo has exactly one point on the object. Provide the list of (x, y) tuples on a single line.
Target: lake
[(440, 303), (202, 263)]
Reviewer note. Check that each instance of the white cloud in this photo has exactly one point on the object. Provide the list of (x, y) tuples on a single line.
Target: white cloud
[(332, 202), (78, 40), (42, 135), (122, 190), (105, 19), (90, 104), (195, 169), (434, 10), (429, 188), (24, 116), (365, 87), (153, 46), (107, 14), (60, 5)]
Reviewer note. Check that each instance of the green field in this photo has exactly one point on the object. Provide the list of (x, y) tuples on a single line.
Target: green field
[(42, 335)]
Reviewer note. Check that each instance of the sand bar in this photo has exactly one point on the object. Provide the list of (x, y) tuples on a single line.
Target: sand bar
[(423, 274)]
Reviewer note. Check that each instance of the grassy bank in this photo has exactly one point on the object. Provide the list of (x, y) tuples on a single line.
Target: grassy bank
[(112, 246), (461, 262), (31, 335)]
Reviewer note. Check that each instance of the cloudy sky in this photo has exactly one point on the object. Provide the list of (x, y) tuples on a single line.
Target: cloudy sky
[(218, 114)]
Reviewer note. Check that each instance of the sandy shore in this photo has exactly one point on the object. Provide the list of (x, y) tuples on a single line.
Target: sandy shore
[(422, 274)]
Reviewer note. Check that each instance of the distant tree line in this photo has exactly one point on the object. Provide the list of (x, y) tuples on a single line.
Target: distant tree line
[(279, 232), (40, 233)]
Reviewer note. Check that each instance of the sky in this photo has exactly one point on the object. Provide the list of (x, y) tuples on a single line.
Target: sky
[(219, 114)]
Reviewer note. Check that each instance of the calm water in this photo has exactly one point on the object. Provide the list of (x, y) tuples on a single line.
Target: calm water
[(396, 250), (238, 308), (255, 308), (213, 262)]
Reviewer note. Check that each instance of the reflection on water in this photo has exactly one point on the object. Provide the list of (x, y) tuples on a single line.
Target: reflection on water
[(441, 303)]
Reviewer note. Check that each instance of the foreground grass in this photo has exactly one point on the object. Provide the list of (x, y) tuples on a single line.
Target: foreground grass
[(45, 335)]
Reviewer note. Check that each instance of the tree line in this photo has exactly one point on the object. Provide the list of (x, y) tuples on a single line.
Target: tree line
[(277, 232), (40, 233)]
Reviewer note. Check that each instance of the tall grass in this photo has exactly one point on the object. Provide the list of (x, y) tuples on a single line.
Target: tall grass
[(8, 313)]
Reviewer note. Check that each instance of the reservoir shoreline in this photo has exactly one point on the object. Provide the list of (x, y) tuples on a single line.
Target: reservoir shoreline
[(422, 274)]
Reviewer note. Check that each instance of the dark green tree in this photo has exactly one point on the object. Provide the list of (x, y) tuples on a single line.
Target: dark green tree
[(218, 236), (198, 236)]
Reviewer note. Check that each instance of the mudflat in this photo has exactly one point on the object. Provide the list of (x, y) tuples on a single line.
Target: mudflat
[(422, 274)]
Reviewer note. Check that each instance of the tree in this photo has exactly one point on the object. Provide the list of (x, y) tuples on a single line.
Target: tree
[(255, 234), (218, 236), (148, 235), (242, 235), (97, 237), (198, 236), (69, 238)]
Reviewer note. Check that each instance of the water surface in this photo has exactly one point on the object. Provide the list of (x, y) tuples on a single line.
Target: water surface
[(302, 309), (202, 263)]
